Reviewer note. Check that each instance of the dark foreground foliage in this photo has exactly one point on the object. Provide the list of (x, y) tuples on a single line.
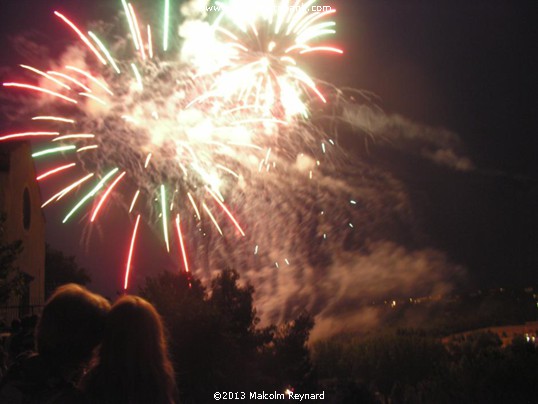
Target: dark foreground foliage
[(216, 344), (61, 269), (409, 367)]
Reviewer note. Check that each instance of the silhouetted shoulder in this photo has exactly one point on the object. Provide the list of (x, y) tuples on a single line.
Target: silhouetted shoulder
[(32, 381)]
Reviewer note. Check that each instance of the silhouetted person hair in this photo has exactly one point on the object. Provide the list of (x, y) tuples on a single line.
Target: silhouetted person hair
[(71, 326), (133, 364)]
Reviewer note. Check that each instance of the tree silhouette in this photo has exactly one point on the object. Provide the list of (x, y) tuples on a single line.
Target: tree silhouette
[(60, 269), (291, 355)]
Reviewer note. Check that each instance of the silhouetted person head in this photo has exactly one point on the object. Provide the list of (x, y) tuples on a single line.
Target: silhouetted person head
[(132, 365), (71, 326)]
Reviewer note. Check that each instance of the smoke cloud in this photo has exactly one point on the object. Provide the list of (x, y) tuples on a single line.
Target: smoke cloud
[(332, 245)]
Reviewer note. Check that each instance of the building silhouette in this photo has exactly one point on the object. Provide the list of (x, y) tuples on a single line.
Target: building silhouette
[(20, 201)]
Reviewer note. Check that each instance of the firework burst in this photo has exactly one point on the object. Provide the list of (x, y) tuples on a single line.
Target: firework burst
[(173, 140), (259, 47)]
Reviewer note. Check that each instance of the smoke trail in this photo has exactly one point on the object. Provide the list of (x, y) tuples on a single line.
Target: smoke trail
[(439, 145)]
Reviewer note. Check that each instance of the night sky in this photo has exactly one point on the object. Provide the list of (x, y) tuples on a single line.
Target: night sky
[(466, 66)]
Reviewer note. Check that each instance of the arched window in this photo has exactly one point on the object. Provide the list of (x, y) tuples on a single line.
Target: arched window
[(26, 209)]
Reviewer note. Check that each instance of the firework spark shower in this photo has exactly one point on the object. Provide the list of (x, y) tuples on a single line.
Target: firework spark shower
[(177, 129)]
